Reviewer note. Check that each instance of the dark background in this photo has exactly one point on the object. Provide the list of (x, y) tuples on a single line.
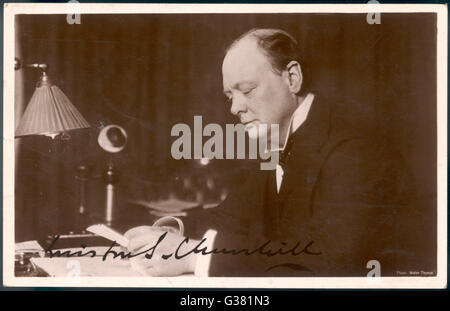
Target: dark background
[(148, 72)]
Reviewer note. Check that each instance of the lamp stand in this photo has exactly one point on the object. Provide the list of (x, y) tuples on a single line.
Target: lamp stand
[(111, 177), (82, 177)]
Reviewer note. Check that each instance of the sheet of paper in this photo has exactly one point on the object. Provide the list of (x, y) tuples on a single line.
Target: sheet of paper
[(85, 266), (29, 246), (108, 233), (91, 266)]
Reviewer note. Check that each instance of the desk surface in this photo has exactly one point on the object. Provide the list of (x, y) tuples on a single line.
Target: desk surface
[(83, 266)]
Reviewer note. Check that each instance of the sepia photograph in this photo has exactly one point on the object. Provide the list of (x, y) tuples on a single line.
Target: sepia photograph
[(280, 146)]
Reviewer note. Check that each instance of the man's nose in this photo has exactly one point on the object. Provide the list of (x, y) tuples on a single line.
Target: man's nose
[(237, 106)]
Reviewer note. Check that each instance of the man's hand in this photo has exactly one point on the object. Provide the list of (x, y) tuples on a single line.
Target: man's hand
[(163, 261)]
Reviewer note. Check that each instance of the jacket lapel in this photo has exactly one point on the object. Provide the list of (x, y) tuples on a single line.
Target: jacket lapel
[(304, 162)]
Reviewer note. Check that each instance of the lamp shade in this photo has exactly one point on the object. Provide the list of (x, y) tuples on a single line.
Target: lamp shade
[(49, 112)]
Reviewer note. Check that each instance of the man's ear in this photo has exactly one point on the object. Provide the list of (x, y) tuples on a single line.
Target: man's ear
[(294, 76)]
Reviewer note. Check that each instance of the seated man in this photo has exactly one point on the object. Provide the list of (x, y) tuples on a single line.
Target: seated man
[(329, 207)]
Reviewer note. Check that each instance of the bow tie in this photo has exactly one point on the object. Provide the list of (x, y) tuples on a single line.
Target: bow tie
[(286, 153)]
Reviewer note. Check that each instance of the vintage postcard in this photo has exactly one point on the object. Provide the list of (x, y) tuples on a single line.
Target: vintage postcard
[(225, 145)]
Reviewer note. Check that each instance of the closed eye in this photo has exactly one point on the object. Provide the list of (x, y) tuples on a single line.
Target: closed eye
[(248, 91)]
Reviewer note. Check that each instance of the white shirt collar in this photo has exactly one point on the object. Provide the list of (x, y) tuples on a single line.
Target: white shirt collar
[(298, 117)]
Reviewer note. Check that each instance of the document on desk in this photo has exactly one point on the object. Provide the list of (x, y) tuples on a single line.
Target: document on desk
[(97, 266), (108, 233), (29, 246), (86, 266)]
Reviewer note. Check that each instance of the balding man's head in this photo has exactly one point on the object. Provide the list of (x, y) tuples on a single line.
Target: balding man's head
[(277, 45), (262, 79)]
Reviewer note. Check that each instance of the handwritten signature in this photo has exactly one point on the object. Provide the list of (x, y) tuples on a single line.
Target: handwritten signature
[(263, 249)]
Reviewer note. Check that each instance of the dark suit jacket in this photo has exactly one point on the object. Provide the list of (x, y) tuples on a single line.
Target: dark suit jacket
[(341, 194)]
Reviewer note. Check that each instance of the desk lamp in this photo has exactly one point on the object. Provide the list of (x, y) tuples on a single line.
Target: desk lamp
[(49, 112)]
